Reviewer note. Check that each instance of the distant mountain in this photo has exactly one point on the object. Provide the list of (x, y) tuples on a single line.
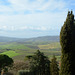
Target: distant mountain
[(8, 39), (37, 39), (43, 38)]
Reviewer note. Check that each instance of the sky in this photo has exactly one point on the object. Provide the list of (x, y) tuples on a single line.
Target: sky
[(33, 18)]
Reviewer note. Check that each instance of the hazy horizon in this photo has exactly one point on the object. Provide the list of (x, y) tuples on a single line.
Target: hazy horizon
[(28, 37), (33, 18)]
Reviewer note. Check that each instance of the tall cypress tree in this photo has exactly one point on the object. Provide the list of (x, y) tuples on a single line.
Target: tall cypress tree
[(67, 41)]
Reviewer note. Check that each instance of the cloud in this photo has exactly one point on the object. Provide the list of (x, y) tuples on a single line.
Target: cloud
[(3, 27), (40, 28), (33, 15), (39, 20), (32, 6), (22, 28)]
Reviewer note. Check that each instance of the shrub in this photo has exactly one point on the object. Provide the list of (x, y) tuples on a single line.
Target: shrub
[(24, 72)]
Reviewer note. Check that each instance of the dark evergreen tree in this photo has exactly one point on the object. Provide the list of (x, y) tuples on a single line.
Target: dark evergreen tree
[(67, 41), (40, 64), (54, 66)]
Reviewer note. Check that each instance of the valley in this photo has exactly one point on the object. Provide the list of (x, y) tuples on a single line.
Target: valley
[(49, 45)]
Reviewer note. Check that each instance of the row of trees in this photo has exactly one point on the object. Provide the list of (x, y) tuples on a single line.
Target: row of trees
[(41, 65)]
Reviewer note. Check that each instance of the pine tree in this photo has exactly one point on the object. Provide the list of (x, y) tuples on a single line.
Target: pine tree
[(40, 64), (54, 66), (67, 41)]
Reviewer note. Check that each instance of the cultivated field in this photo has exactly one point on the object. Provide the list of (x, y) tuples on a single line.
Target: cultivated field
[(18, 51)]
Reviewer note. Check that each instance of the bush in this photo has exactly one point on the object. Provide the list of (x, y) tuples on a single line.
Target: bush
[(24, 72)]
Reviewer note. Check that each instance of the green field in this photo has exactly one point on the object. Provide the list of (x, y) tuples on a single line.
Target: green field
[(13, 46), (11, 53), (18, 51), (50, 46)]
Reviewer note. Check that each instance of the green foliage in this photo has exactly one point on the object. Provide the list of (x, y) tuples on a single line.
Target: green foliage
[(5, 61), (25, 72), (40, 65), (67, 41), (54, 66), (29, 56)]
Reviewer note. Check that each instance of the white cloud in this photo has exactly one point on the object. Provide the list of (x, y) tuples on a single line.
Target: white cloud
[(5, 9), (52, 17), (37, 21), (3, 27), (13, 28), (22, 5), (33, 20), (23, 28), (42, 28)]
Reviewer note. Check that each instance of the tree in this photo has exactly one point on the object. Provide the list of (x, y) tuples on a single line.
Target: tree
[(54, 66), (40, 64), (5, 62), (67, 41)]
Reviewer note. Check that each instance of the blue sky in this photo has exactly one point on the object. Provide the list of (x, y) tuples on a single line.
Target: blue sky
[(33, 18)]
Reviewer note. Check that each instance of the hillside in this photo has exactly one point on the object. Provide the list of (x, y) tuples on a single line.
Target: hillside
[(37, 39)]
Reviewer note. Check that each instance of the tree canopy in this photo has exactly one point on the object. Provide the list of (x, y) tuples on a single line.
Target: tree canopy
[(5, 61)]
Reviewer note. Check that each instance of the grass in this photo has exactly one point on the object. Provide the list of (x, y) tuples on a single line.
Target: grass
[(10, 53)]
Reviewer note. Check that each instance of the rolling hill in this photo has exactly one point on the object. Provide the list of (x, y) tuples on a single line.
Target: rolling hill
[(37, 39), (18, 48)]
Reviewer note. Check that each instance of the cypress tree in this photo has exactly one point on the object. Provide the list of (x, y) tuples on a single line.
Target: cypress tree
[(67, 41), (54, 66)]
